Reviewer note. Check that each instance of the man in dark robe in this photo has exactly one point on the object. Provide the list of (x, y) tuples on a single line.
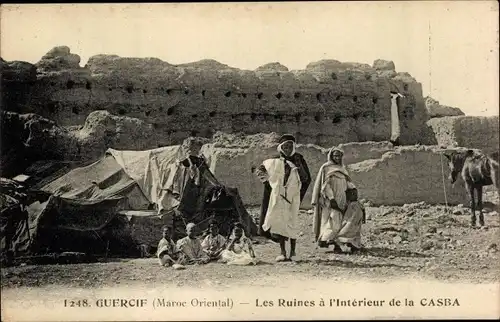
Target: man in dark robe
[(290, 160)]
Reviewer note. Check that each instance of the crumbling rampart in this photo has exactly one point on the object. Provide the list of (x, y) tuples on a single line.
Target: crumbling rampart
[(329, 102)]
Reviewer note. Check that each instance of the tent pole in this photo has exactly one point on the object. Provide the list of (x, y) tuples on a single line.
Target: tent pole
[(27, 223), (107, 250)]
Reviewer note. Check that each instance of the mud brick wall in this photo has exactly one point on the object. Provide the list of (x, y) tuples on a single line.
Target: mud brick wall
[(475, 132), (233, 166), (383, 175), (407, 175), (329, 102)]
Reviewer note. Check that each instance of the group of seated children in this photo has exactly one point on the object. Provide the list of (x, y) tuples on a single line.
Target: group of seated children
[(237, 250)]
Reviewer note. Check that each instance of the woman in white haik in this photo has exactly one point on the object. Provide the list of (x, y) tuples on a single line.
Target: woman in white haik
[(286, 179)]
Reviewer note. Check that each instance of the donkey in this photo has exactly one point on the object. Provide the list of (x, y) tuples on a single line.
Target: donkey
[(477, 170)]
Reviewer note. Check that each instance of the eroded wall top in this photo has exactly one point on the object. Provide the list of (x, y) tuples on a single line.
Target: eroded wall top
[(328, 102)]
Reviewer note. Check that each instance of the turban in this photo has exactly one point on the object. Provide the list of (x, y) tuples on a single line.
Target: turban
[(286, 137)]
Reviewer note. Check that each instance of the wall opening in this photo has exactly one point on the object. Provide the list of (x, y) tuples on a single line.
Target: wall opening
[(296, 95), (212, 114), (194, 133), (52, 107), (355, 98), (350, 78), (279, 95), (88, 85), (144, 91), (233, 116), (110, 89), (227, 94), (259, 95), (356, 116), (186, 91), (367, 114), (70, 84), (253, 116), (170, 110), (368, 76), (130, 89), (375, 100), (408, 112), (194, 116), (169, 91), (336, 118), (317, 117), (405, 87), (338, 97), (52, 83), (244, 95), (207, 133), (75, 110), (278, 117), (334, 76), (297, 117), (122, 111), (147, 113), (318, 97), (203, 93), (317, 139)]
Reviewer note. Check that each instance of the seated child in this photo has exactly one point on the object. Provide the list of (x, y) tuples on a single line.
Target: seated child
[(191, 248), (167, 252), (214, 243), (240, 250)]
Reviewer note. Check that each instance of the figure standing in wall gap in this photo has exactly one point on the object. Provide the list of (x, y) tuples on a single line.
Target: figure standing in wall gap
[(395, 126)]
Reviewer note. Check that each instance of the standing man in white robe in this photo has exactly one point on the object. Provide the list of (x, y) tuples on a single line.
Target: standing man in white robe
[(286, 179)]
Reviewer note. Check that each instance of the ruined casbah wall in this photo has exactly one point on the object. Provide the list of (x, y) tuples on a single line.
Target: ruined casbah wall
[(475, 132), (384, 175), (407, 175), (233, 164), (328, 103)]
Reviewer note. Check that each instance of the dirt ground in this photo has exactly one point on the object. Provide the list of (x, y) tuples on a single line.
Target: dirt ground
[(414, 241)]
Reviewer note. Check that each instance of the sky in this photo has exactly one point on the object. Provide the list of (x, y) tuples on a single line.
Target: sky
[(451, 47)]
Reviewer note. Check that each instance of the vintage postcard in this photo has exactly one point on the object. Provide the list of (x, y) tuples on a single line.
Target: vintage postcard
[(250, 161)]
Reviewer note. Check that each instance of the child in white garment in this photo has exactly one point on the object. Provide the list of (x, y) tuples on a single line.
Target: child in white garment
[(168, 254), (239, 251)]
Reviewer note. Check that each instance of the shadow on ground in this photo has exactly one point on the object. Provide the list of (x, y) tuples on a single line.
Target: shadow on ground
[(388, 252), (350, 264)]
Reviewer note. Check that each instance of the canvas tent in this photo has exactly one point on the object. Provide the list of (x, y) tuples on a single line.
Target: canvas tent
[(111, 199), (13, 224)]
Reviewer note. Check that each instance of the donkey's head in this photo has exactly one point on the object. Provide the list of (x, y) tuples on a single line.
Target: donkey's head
[(456, 161)]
